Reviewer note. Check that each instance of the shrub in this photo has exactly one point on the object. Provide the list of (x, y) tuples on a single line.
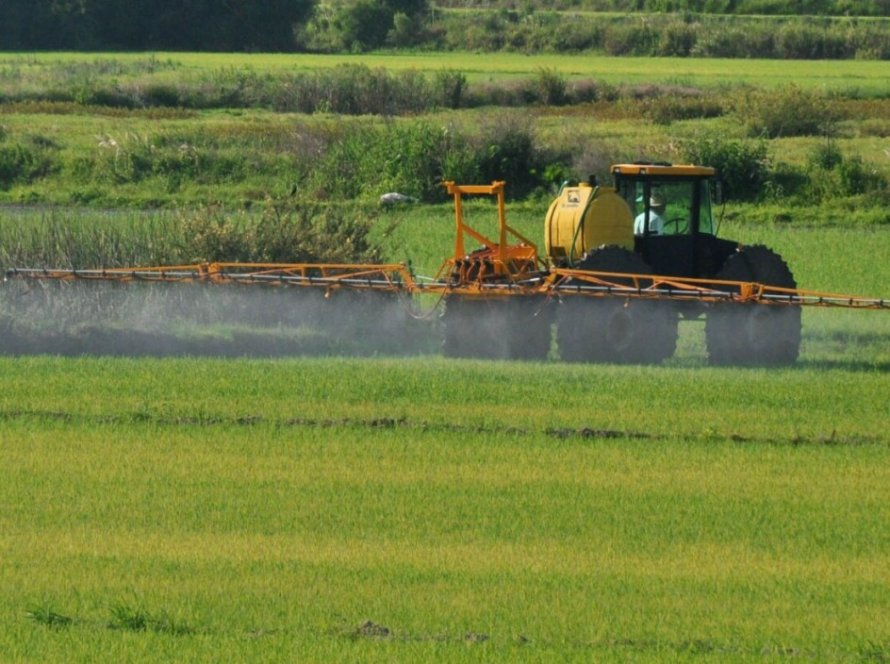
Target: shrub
[(449, 88), (829, 174), (20, 162), (801, 42), (742, 166), (669, 108), (160, 94), (630, 40), (677, 40), (506, 151), (825, 156), (856, 177), (285, 232), (552, 87), (790, 111)]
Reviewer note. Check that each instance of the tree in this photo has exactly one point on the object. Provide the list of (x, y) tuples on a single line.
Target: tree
[(370, 24), (225, 25)]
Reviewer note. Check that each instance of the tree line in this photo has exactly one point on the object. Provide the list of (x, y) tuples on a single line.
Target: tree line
[(207, 25), (672, 27), (200, 25), (733, 7)]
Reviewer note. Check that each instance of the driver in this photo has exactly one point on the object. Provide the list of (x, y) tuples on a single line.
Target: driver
[(657, 205)]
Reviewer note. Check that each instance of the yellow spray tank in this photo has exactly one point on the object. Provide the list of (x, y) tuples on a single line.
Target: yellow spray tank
[(583, 218)]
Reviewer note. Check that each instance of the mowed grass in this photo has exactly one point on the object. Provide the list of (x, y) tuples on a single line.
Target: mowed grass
[(267, 510)]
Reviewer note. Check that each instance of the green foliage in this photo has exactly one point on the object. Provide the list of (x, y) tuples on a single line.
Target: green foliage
[(742, 165), (668, 108), (137, 619), (152, 24), (31, 158), (450, 87), (69, 240), (507, 151), (830, 175), (859, 178), (841, 8), (825, 156), (132, 158), (44, 614), (362, 25), (791, 111), (414, 158), (282, 233), (552, 87), (666, 33)]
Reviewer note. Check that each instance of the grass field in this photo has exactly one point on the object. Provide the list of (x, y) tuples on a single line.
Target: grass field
[(424, 509), (867, 76), (405, 509), (416, 508)]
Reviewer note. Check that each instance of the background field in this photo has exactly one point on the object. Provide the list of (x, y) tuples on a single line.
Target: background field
[(710, 72)]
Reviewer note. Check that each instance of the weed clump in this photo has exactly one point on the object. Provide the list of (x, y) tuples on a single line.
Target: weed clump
[(45, 615), (137, 619)]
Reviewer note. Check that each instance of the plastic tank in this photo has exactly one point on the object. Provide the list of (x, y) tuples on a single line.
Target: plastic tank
[(584, 218)]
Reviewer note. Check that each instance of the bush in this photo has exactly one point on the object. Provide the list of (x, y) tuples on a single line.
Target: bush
[(449, 87), (669, 108), (790, 111), (858, 178), (830, 174), (284, 233), (742, 166), (801, 42), (552, 86), (677, 40), (20, 162), (630, 40), (826, 156), (506, 151)]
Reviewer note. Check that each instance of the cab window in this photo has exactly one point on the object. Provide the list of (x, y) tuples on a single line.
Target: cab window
[(669, 210)]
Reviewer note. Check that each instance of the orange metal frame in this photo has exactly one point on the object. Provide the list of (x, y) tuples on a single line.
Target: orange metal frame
[(505, 260), (499, 269)]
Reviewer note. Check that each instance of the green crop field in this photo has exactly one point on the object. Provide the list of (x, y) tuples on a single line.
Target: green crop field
[(865, 76), (408, 507), (425, 509), (405, 509)]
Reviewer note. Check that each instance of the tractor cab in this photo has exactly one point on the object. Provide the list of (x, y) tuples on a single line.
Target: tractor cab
[(674, 225)]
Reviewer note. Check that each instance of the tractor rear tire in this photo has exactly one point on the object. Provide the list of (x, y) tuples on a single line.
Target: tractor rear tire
[(611, 329), (754, 334)]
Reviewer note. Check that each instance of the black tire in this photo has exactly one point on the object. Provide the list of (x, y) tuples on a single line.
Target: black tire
[(754, 334), (617, 330), (513, 328)]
